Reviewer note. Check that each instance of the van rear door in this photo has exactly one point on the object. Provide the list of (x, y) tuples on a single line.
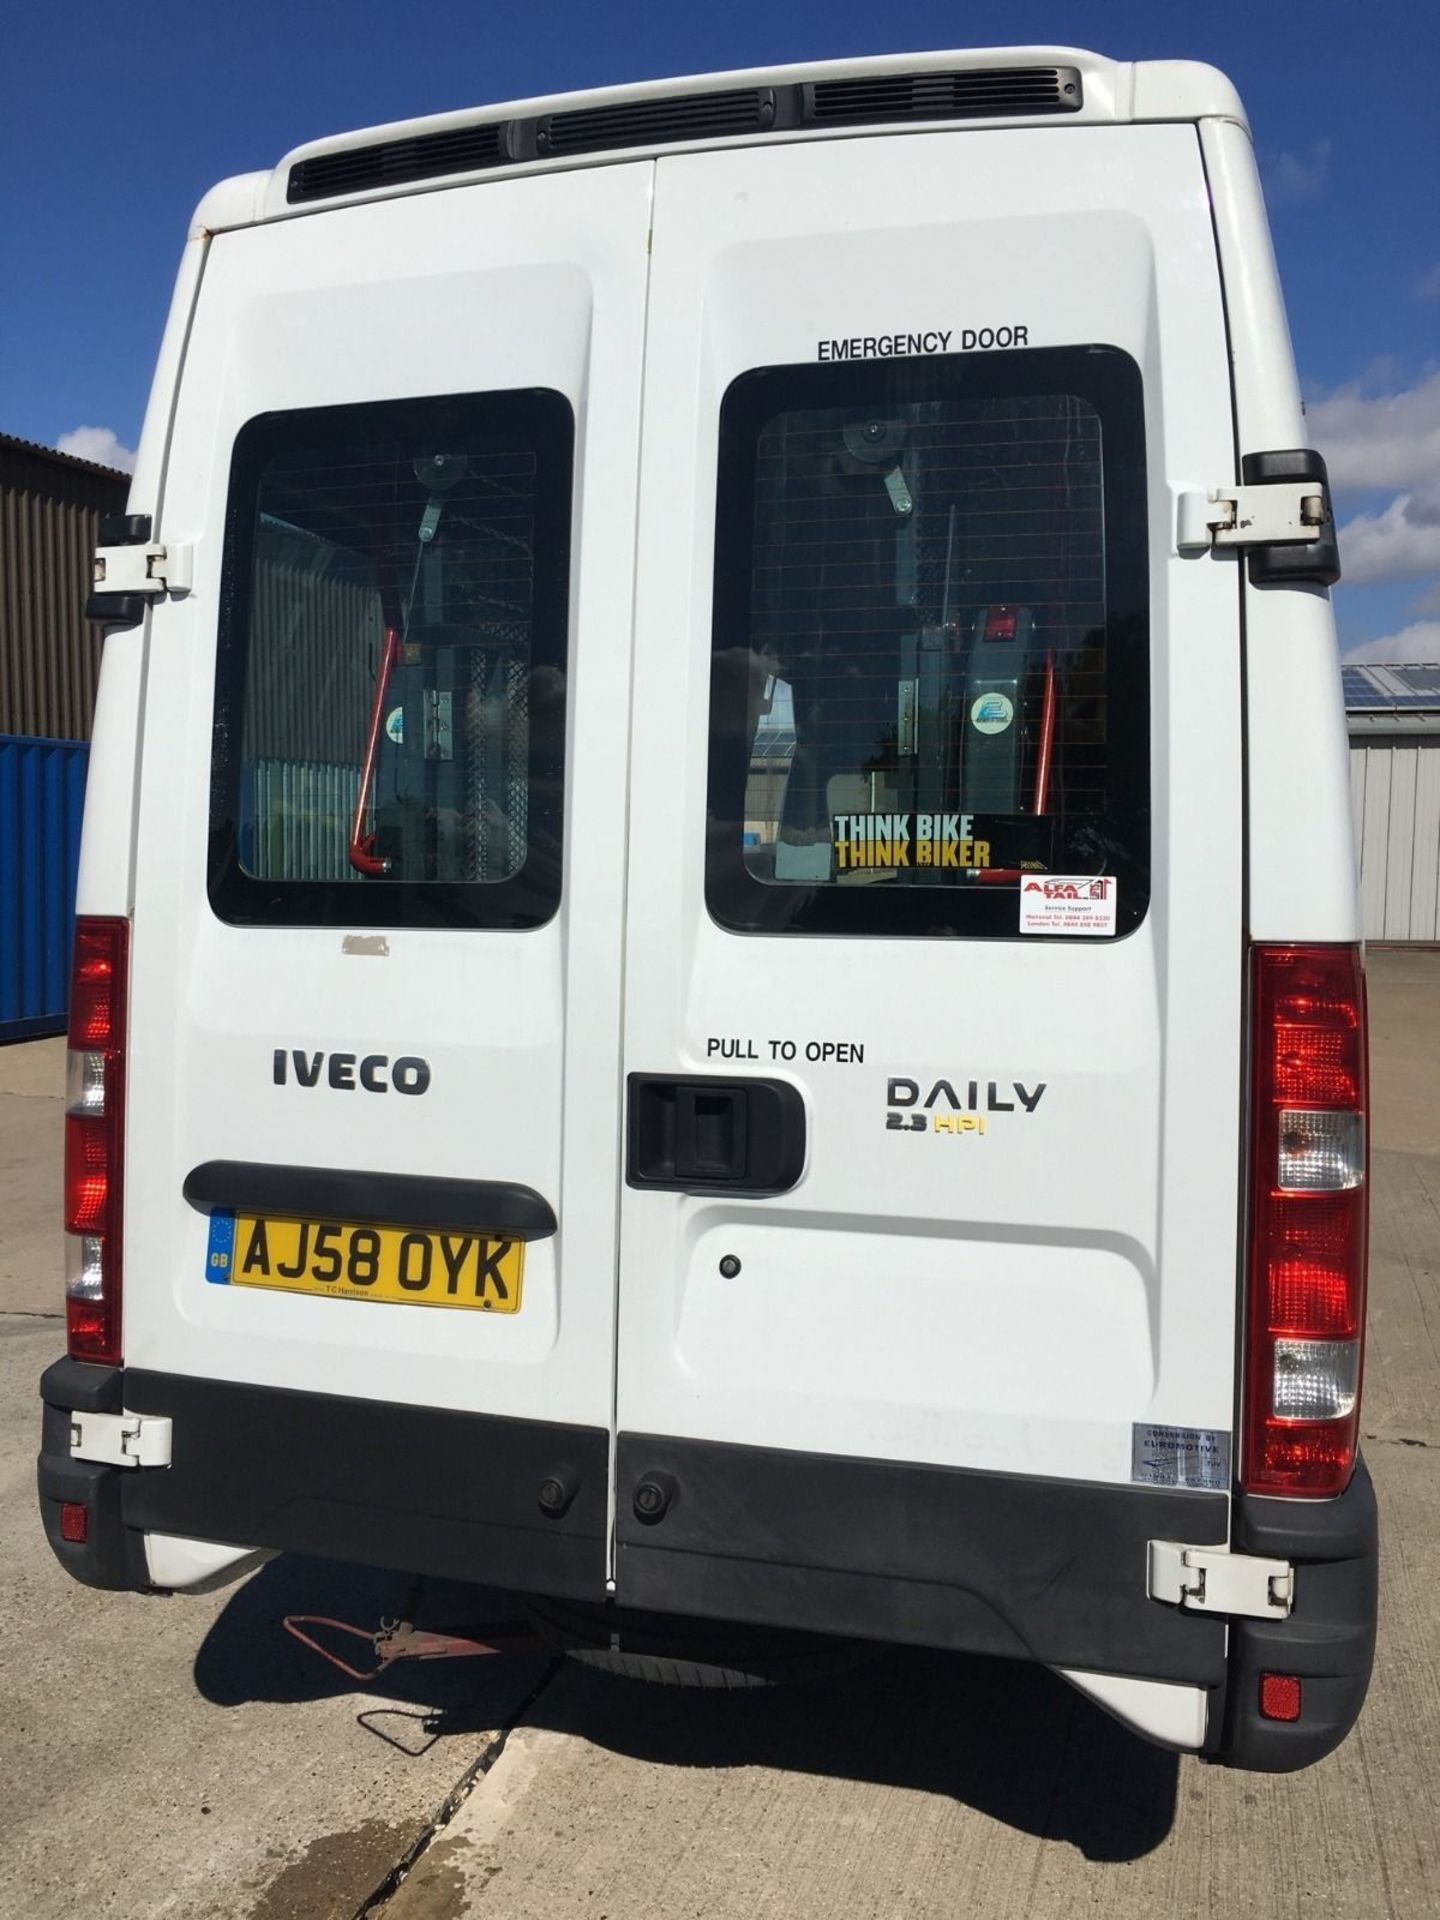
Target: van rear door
[(933, 989), (376, 938)]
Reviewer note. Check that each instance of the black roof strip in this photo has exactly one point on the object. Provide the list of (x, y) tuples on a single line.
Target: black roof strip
[(866, 99)]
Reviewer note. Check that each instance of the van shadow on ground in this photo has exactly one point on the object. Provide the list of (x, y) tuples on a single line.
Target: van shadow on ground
[(1008, 1739)]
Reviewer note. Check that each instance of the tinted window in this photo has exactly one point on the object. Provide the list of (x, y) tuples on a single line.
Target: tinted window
[(930, 643), (390, 691)]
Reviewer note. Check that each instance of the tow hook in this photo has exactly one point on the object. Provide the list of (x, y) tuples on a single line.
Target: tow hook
[(396, 1640)]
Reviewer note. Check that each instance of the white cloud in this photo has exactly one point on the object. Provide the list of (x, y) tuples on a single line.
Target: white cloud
[(1380, 440), (1294, 178), (1417, 643), (1401, 543), (1388, 440), (100, 444)]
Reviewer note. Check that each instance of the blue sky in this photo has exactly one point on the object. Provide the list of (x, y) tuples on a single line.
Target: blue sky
[(112, 125)]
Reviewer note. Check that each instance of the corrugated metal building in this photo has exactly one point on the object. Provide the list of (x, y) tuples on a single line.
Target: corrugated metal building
[(50, 506), (1393, 714)]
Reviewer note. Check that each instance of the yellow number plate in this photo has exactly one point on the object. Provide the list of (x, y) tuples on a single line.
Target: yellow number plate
[(415, 1265)]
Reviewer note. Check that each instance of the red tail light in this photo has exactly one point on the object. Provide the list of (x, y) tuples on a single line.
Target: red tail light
[(95, 1138), (1308, 1220)]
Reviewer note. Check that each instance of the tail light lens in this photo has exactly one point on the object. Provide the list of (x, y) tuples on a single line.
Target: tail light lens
[(95, 1138), (1308, 1220)]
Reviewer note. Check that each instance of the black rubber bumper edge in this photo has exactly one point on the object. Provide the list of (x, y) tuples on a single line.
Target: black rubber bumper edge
[(419, 1489), (1047, 1570), (1328, 1641), (111, 1554)]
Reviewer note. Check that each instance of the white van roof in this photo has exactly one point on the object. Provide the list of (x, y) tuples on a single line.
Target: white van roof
[(989, 86)]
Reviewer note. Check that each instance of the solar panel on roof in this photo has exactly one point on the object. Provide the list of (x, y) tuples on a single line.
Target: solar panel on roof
[(1378, 688), (1361, 691)]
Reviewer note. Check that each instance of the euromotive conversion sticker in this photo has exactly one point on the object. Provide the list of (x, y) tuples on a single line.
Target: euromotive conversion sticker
[(1197, 1457)]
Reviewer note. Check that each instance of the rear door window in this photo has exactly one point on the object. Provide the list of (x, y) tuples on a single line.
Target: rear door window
[(931, 642), (390, 688)]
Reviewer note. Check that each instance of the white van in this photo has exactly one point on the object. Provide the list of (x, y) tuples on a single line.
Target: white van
[(718, 974)]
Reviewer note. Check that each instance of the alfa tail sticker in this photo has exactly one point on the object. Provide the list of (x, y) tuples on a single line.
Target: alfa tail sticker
[(1068, 903)]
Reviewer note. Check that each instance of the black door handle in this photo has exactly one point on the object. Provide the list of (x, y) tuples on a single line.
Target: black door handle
[(705, 1135)]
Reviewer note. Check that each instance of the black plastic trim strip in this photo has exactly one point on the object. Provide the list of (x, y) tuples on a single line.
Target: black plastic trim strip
[(1328, 1641), (1048, 1570), (390, 163), (635, 123), (866, 99), (81, 1387), (425, 1490), (389, 1199), (986, 93)]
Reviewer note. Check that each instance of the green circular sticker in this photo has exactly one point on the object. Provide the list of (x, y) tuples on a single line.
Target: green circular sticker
[(992, 713)]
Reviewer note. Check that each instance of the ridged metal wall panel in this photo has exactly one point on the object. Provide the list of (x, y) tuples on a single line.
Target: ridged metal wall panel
[(50, 507), (42, 797), (314, 649), (296, 825), (1395, 787)]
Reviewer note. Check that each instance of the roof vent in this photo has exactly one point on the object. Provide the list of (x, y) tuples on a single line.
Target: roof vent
[(634, 123), (395, 163), (991, 94)]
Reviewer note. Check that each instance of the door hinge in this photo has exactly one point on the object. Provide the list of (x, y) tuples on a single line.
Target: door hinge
[(1270, 513), (1210, 1580), (151, 568), (121, 1439)]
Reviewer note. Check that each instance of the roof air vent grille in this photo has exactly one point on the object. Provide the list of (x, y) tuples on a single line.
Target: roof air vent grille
[(395, 163), (990, 95), (634, 123)]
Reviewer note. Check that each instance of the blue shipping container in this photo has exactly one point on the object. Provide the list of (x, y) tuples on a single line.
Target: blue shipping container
[(42, 795)]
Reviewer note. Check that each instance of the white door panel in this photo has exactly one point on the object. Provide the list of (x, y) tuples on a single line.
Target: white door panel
[(1014, 1300), (536, 284)]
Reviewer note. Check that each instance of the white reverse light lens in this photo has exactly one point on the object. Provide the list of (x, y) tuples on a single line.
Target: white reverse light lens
[(85, 1082), (1320, 1152), (1316, 1379), (84, 1267)]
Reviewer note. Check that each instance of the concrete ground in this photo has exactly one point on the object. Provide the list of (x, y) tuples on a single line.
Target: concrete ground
[(183, 1758)]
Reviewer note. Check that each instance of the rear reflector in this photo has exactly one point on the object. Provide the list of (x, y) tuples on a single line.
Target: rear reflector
[(74, 1522), (1279, 1696), (94, 1138), (1308, 1220)]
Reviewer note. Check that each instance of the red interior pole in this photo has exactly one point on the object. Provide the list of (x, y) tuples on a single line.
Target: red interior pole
[(362, 854), (1047, 737)]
